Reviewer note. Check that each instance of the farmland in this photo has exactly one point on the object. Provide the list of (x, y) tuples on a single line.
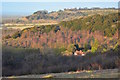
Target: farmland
[(23, 26)]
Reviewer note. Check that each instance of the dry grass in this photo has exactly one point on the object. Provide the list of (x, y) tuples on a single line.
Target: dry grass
[(108, 73), (23, 26)]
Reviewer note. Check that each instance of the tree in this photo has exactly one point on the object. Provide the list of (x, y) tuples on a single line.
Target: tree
[(7, 37), (95, 46), (15, 35)]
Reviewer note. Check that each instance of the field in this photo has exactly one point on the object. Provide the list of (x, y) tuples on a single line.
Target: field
[(109, 73), (23, 26)]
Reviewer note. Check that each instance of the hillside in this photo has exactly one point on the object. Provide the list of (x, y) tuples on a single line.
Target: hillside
[(66, 14), (84, 31), (44, 16), (104, 23)]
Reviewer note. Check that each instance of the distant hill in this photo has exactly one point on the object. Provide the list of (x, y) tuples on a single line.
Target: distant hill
[(66, 14), (59, 15), (44, 16)]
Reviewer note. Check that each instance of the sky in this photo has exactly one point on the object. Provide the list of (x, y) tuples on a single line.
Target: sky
[(60, 0), (27, 8)]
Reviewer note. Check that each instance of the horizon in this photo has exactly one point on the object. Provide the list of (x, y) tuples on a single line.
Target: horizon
[(28, 8)]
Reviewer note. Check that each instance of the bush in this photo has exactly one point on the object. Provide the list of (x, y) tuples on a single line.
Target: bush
[(87, 47), (7, 37), (15, 35), (30, 61), (95, 46)]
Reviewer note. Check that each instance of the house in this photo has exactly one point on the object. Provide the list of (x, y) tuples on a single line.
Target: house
[(79, 53)]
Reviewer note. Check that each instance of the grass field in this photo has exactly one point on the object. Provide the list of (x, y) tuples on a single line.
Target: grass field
[(109, 73), (23, 26)]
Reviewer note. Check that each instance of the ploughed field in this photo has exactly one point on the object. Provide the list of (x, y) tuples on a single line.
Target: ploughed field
[(108, 73)]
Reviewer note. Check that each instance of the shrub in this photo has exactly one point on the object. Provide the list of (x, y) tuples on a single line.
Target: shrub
[(95, 46), (7, 37), (87, 47), (15, 35)]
